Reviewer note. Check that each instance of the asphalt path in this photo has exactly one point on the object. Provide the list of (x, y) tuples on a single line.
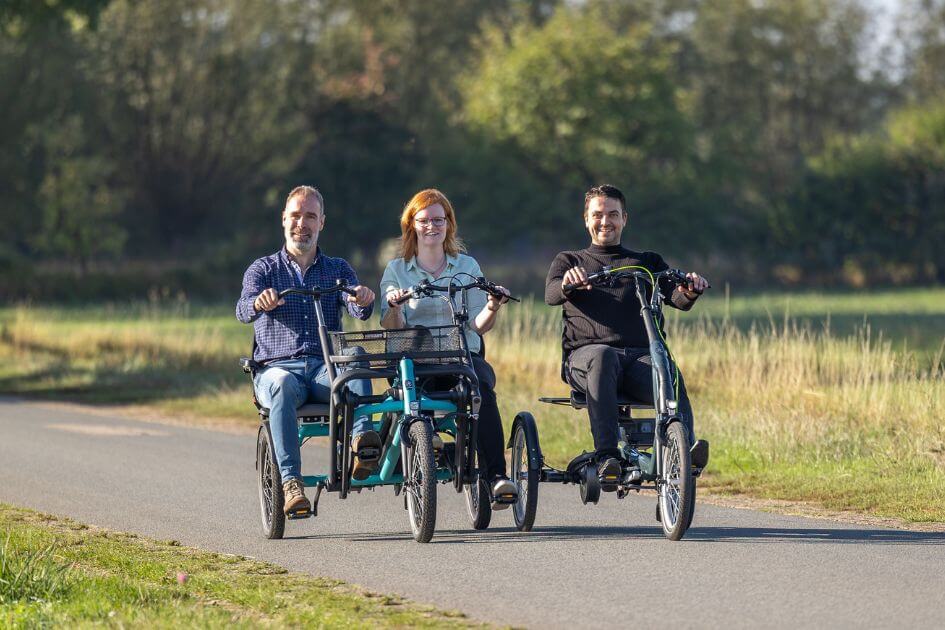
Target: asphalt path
[(582, 566)]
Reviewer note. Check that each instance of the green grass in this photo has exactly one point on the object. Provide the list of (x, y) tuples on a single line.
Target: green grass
[(800, 399), (104, 578)]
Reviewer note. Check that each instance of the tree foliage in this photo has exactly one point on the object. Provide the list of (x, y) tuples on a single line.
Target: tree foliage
[(764, 135)]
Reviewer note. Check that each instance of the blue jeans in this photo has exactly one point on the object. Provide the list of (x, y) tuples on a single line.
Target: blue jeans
[(284, 386)]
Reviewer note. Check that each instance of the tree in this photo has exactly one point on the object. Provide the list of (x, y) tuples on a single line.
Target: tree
[(78, 202), (198, 114)]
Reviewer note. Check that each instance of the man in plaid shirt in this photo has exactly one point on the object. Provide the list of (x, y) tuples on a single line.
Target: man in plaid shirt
[(287, 341)]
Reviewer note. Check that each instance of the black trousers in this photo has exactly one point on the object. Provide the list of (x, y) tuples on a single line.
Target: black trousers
[(600, 372), (490, 440), (490, 444)]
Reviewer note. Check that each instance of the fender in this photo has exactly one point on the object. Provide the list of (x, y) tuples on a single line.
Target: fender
[(524, 418), (263, 426)]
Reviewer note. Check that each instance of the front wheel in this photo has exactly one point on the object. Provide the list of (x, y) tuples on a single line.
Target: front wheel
[(525, 476), (420, 480), (676, 485), (271, 498)]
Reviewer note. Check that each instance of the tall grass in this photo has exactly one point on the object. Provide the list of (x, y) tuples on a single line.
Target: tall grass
[(792, 410), (31, 575)]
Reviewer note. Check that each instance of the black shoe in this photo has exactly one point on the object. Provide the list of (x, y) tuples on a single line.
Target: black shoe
[(608, 472), (699, 454)]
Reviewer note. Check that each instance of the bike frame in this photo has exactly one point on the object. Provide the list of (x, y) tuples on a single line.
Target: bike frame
[(664, 393), (406, 403)]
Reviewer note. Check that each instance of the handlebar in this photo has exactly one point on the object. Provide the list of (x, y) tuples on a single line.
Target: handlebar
[(427, 288), (340, 285), (608, 273)]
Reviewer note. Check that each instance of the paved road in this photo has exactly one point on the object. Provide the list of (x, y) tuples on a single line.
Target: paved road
[(604, 565)]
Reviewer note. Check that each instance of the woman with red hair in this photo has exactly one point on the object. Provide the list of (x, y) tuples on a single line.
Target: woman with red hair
[(430, 249)]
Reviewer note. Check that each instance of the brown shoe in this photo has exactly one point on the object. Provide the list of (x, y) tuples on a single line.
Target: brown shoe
[(295, 501), (367, 452)]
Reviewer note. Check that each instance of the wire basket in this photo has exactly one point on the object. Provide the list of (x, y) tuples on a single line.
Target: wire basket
[(383, 348)]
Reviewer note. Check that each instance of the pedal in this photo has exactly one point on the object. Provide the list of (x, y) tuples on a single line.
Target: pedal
[(368, 454), (298, 514), (503, 501), (609, 483), (699, 454)]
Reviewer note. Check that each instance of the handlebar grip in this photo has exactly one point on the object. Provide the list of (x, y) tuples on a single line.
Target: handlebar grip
[(403, 298)]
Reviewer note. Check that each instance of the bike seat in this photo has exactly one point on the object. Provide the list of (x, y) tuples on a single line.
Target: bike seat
[(249, 366), (578, 400), (310, 412)]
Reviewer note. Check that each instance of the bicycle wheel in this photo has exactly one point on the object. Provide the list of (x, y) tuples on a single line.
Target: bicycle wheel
[(677, 485), (420, 481), (478, 505), (523, 474), (271, 499)]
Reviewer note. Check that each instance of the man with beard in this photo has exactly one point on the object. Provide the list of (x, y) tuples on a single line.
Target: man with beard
[(604, 341), (287, 342)]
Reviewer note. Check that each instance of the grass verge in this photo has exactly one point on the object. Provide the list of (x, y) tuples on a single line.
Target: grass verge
[(73, 575)]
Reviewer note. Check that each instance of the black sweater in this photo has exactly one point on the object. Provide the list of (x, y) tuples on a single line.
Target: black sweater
[(608, 315)]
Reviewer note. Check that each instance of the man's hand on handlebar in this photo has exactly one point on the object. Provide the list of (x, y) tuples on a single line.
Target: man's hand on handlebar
[(576, 277), (268, 300), (363, 296), (695, 286)]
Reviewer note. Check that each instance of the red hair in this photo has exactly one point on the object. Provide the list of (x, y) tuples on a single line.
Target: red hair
[(421, 201)]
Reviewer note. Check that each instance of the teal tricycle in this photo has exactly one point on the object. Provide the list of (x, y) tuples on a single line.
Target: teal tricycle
[(432, 395)]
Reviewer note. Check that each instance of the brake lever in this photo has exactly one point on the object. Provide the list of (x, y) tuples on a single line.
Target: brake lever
[(492, 289)]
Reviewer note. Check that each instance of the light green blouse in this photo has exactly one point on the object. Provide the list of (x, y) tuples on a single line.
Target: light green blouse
[(432, 311)]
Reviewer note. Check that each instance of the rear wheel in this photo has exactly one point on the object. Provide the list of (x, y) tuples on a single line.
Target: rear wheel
[(477, 501), (677, 485), (271, 499), (525, 477), (420, 481)]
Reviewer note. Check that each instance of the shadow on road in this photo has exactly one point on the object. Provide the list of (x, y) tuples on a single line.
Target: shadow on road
[(696, 534)]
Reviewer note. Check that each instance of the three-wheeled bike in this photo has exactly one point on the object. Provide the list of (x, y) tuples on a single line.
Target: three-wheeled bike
[(657, 452), (409, 415)]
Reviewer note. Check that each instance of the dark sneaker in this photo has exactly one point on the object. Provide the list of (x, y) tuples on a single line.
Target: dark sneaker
[(367, 452), (504, 493), (296, 504), (608, 472), (699, 454)]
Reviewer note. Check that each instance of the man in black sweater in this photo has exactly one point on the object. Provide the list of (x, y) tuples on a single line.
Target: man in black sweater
[(606, 349)]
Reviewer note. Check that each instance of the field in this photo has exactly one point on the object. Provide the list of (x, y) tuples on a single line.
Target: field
[(838, 400)]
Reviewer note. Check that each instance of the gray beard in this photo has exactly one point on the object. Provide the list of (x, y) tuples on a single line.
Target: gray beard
[(302, 246)]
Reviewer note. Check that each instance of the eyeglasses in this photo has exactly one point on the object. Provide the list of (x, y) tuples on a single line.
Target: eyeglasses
[(437, 221)]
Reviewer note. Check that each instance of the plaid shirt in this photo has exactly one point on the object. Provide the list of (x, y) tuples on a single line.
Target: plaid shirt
[(291, 330)]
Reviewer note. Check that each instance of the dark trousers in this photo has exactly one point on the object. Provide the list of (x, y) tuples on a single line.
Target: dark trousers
[(600, 372), (491, 442)]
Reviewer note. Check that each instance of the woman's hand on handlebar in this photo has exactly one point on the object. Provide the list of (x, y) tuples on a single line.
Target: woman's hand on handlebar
[(496, 301), (575, 278), (268, 300), (363, 296), (397, 297)]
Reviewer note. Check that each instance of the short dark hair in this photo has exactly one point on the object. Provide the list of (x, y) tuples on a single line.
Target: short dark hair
[(605, 190), (304, 193)]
